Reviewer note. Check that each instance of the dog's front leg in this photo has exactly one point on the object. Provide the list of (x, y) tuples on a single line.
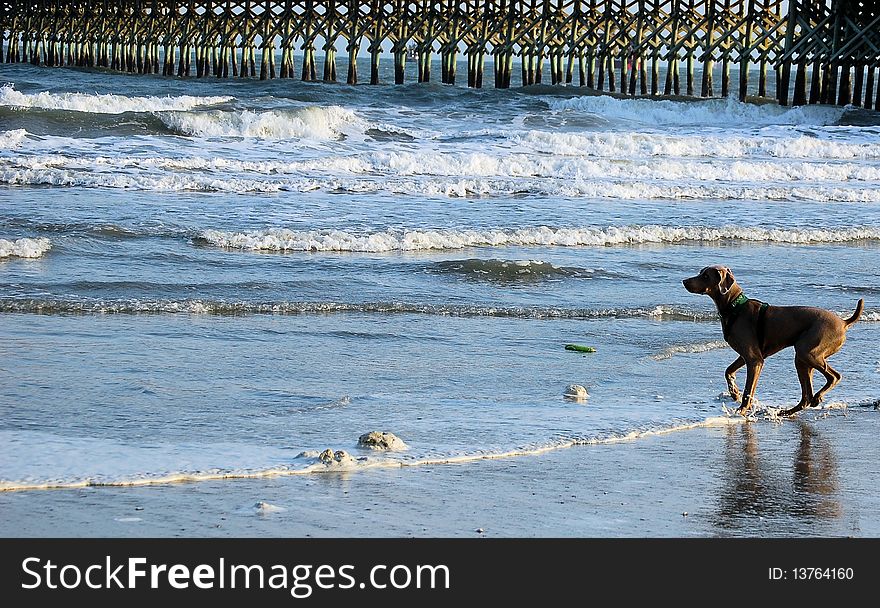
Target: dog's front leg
[(753, 372), (730, 376)]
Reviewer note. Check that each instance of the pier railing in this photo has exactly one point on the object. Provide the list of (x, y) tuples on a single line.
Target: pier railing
[(818, 51)]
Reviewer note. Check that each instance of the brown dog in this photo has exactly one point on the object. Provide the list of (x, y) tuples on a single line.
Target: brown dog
[(756, 331)]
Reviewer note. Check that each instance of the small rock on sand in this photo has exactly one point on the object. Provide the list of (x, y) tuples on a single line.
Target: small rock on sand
[(263, 507), (576, 392), (339, 457), (381, 440)]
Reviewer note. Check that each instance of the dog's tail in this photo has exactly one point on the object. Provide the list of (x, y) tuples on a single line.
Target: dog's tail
[(858, 313)]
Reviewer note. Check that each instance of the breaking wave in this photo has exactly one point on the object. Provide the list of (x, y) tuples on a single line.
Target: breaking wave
[(582, 186), (231, 308), (139, 306), (626, 145), (12, 139), (281, 239), (517, 165), (321, 123), (474, 165), (712, 112), (24, 248), (102, 103)]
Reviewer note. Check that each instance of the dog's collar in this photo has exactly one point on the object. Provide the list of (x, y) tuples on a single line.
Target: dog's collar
[(739, 301), (731, 312)]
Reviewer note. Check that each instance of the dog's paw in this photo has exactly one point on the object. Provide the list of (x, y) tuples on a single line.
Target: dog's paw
[(743, 410)]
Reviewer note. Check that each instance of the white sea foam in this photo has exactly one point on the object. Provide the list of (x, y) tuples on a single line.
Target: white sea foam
[(24, 248), (629, 145), (456, 187), (10, 140), (529, 165), (470, 165), (282, 239), (321, 123), (102, 103), (712, 112), (140, 306), (222, 307), (171, 182), (680, 349)]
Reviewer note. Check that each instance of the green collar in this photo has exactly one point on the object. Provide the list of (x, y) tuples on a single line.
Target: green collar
[(739, 301)]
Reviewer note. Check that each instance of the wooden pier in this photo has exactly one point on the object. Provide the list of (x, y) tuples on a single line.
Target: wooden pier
[(818, 51)]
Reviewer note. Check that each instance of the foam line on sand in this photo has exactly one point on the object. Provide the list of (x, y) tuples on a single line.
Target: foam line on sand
[(352, 465)]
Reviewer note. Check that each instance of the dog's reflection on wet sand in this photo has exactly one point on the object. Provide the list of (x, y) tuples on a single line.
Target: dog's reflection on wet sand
[(777, 486)]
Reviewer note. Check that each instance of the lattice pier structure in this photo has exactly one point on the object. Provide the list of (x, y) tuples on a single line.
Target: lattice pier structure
[(817, 51)]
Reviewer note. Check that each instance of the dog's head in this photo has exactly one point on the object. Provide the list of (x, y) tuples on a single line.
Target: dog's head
[(712, 281)]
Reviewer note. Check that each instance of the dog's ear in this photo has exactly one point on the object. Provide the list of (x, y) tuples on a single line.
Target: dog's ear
[(727, 280)]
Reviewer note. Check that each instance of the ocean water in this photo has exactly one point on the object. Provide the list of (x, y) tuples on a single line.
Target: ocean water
[(207, 279)]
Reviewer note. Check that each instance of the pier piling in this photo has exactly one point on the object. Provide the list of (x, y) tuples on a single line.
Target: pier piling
[(820, 51)]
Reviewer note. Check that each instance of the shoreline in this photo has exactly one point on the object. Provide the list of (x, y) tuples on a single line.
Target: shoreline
[(318, 467), (806, 477)]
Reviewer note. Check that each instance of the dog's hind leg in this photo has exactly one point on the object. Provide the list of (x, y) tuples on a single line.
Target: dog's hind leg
[(814, 348), (805, 377), (832, 377)]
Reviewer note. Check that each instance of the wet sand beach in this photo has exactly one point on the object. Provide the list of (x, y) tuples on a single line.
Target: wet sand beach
[(811, 477)]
